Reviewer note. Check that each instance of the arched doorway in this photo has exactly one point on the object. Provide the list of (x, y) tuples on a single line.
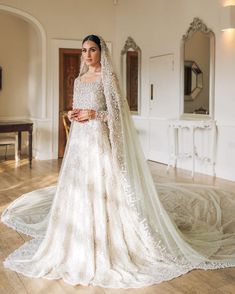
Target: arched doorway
[(42, 39)]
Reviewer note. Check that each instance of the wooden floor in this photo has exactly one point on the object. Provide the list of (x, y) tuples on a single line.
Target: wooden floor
[(15, 181)]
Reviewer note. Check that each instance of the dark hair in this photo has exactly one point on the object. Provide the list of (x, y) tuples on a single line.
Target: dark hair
[(92, 38)]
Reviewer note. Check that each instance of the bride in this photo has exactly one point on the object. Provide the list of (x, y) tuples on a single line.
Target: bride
[(105, 223)]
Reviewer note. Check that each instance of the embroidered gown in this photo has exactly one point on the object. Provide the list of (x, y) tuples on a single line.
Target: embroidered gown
[(82, 229)]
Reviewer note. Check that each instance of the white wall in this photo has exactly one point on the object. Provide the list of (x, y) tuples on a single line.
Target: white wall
[(14, 60), (35, 73), (157, 27)]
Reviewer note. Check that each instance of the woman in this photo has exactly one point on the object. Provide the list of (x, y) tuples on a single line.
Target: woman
[(105, 224)]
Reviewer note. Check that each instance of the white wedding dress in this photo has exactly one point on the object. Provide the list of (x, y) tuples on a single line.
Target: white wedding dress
[(85, 231)]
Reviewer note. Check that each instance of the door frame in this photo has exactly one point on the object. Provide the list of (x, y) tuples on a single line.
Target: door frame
[(56, 45), (63, 53), (54, 74)]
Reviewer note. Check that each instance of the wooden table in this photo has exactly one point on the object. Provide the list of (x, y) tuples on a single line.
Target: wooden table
[(19, 127)]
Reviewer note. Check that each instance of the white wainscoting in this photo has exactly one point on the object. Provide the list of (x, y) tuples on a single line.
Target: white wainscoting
[(153, 137)]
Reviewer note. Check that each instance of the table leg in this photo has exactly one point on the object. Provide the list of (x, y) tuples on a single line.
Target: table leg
[(213, 145), (30, 147), (176, 146), (193, 150), (19, 145)]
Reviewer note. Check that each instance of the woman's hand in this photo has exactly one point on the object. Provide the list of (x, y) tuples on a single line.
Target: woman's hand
[(82, 115), (85, 115), (70, 115)]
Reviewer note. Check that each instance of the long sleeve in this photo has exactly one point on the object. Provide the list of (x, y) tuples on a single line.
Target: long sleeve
[(102, 115)]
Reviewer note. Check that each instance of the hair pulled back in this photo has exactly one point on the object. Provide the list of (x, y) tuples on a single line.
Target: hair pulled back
[(92, 38)]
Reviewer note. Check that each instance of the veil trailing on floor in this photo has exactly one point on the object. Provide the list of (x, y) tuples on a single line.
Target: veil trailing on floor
[(203, 234), (188, 226)]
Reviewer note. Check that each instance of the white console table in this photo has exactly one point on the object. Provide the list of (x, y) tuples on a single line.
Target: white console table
[(175, 137)]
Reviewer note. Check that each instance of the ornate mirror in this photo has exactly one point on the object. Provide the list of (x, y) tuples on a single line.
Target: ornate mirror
[(198, 47), (130, 69)]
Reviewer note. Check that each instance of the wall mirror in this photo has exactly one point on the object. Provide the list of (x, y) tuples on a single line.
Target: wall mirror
[(131, 71), (198, 62)]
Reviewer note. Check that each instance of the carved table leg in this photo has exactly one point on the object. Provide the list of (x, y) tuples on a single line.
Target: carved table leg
[(30, 147), (19, 145)]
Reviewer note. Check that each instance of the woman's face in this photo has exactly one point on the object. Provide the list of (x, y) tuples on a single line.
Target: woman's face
[(91, 53)]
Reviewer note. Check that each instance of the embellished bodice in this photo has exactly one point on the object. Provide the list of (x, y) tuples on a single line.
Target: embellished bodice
[(89, 95)]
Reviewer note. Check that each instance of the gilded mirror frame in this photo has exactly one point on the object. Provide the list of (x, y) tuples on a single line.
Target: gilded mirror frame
[(197, 25), (130, 45)]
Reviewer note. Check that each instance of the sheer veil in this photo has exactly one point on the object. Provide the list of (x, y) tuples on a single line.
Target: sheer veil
[(189, 246)]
